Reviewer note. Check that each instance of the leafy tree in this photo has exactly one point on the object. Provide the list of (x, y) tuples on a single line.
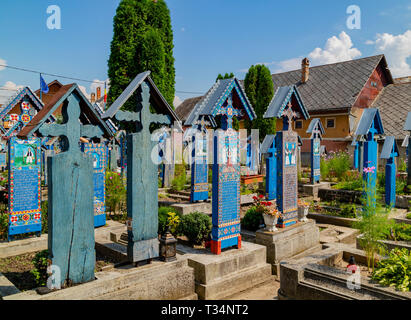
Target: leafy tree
[(142, 40), (226, 76), (236, 123), (260, 91)]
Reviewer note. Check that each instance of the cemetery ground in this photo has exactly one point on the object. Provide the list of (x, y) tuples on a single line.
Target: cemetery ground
[(339, 228)]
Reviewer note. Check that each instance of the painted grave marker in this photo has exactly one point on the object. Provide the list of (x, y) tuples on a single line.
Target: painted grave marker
[(142, 185), (288, 105), (390, 152), (316, 130), (269, 150), (98, 153), (25, 186)]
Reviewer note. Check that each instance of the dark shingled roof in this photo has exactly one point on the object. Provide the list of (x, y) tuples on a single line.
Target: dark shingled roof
[(394, 103), (184, 109), (330, 87)]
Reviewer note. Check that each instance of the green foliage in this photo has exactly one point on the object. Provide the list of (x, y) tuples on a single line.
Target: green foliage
[(196, 227), (4, 225), (259, 88), (163, 215), (142, 40), (395, 271), (335, 165), (402, 165), (252, 219), (44, 217), (373, 227), (40, 262), (4, 179), (400, 232), (408, 216), (115, 191), (180, 177), (352, 181), (226, 76)]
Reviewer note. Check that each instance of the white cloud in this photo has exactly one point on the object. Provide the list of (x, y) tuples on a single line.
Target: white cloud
[(337, 49), (8, 90), (177, 101), (288, 65), (3, 62), (397, 49), (84, 90)]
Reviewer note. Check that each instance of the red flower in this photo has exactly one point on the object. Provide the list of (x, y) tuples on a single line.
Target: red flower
[(269, 204), (261, 196), (255, 198)]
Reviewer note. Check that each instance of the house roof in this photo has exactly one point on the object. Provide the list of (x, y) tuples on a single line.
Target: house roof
[(184, 109), (394, 103), (88, 115), (370, 117), (332, 86), (389, 147), (157, 100), (17, 98), (282, 96), (216, 97)]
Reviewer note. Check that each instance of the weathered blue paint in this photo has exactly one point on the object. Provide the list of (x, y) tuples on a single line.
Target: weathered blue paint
[(142, 186), (407, 127), (356, 154), (199, 166), (286, 143), (24, 201), (390, 152), (71, 218), (316, 130), (226, 180), (269, 150), (98, 153)]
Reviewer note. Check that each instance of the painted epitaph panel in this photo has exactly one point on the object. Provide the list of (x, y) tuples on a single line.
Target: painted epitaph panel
[(25, 186), (287, 179), (199, 168), (98, 153), (226, 191), (315, 160)]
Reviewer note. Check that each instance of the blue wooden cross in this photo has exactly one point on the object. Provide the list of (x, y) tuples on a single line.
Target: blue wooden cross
[(316, 130), (142, 186), (269, 149), (390, 152), (71, 209)]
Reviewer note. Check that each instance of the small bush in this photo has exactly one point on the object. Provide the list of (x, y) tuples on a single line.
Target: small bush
[(40, 262), (252, 219), (4, 225), (115, 191), (163, 215), (196, 227), (395, 271), (336, 164), (44, 217), (408, 215), (400, 232), (180, 177)]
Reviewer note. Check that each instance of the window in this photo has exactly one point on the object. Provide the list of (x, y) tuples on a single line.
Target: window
[(298, 124), (330, 123)]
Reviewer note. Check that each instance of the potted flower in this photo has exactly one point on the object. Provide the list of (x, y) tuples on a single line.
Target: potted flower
[(269, 212), (271, 219), (303, 210)]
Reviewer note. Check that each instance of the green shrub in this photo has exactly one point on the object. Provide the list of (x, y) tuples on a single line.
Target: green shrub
[(336, 164), (163, 216), (4, 179), (395, 271), (402, 165), (252, 219), (40, 262), (180, 177), (196, 227), (44, 217), (400, 232), (408, 216), (4, 225), (115, 191)]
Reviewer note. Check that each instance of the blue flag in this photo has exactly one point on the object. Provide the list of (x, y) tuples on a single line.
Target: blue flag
[(43, 85)]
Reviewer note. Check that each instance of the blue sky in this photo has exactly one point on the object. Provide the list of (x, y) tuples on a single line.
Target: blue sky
[(211, 37)]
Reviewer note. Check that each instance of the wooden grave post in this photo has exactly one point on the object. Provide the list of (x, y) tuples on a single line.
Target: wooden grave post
[(70, 175), (316, 130), (269, 150), (142, 186), (390, 152)]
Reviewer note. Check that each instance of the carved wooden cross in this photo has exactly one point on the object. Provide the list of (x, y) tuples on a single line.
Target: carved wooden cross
[(72, 129), (230, 112), (289, 115), (144, 117)]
